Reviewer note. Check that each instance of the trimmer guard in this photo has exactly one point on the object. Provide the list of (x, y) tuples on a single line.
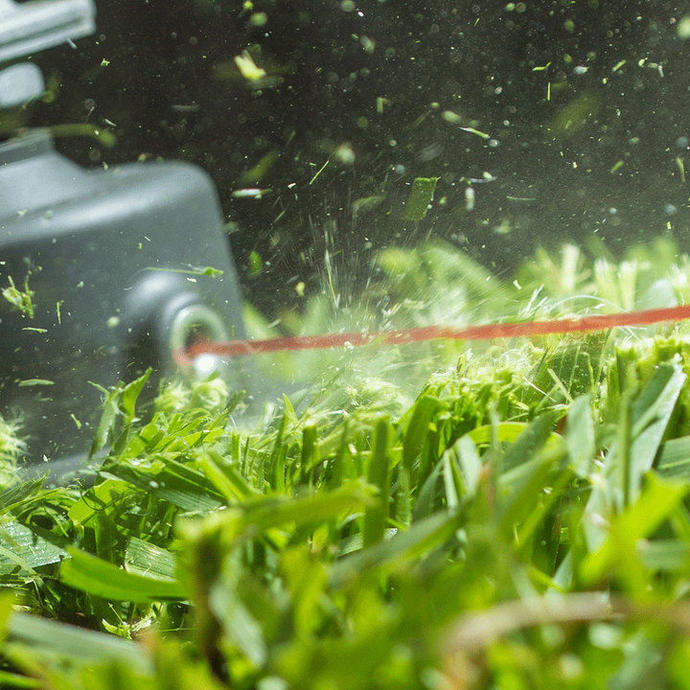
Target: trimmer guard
[(116, 261)]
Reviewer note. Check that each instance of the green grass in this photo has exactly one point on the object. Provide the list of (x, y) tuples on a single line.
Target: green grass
[(509, 515)]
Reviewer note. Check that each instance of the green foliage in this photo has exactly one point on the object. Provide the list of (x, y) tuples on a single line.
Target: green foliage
[(522, 522)]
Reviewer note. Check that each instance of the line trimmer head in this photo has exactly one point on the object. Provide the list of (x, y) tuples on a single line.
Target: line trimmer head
[(103, 272)]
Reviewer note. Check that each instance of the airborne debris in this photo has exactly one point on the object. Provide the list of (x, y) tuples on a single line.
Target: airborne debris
[(250, 193), (542, 68), (469, 199), (421, 196), (476, 132), (192, 270), (20, 299), (248, 68), (27, 383)]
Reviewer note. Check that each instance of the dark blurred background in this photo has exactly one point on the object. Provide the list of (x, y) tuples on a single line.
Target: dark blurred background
[(545, 121)]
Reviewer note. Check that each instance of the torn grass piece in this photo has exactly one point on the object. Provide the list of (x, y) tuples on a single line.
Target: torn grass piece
[(421, 196)]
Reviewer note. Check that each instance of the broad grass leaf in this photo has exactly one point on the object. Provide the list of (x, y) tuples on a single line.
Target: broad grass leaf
[(452, 484), (505, 432), (530, 441), (674, 459), (580, 436), (651, 412), (225, 478), (417, 429), (7, 602), (130, 395), (239, 625), (245, 522), (428, 495), (266, 513), (105, 429), (22, 550), (521, 489), (378, 476), (149, 560), (464, 454), (102, 579), (170, 480), (306, 580), (17, 495), (97, 499), (118, 402), (400, 550), (671, 555), (649, 416), (618, 555), (52, 640)]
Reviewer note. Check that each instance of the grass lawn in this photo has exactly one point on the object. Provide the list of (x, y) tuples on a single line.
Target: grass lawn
[(511, 514)]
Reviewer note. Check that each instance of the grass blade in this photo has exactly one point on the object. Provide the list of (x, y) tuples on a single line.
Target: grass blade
[(376, 514), (46, 638), (102, 579)]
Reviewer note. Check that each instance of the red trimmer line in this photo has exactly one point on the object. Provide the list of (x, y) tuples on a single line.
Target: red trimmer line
[(239, 348)]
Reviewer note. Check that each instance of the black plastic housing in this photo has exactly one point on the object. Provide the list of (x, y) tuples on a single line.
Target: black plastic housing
[(113, 259)]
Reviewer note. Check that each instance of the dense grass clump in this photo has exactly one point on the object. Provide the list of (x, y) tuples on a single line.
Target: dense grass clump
[(520, 520)]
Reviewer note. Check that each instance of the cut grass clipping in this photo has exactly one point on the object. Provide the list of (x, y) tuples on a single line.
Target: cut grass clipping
[(510, 514)]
